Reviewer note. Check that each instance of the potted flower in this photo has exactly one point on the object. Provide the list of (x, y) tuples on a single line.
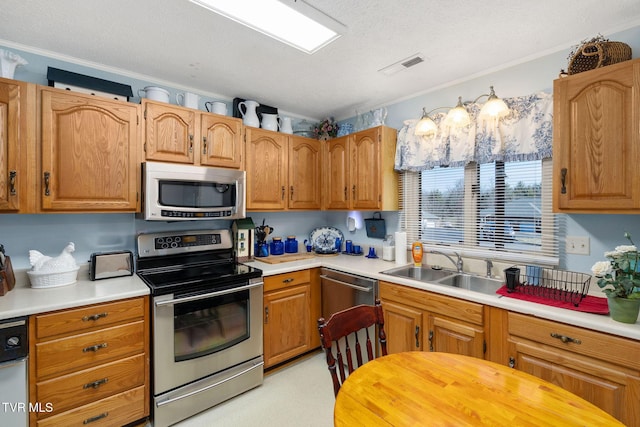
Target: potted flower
[(619, 279), (326, 129)]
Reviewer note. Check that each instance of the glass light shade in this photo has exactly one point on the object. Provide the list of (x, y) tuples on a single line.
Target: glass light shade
[(458, 116), (494, 108), (426, 126)]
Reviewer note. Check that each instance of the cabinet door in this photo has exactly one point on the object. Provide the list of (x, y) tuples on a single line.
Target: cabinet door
[(403, 326), (365, 171), (304, 173), (607, 386), (451, 336), (336, 173), (17, 129), (287, 331), (596, 138), (169, 133), (221, 143), (266, 165), (90, 155)]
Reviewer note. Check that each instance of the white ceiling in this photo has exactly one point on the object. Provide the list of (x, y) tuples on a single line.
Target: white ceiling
[(179, 43)]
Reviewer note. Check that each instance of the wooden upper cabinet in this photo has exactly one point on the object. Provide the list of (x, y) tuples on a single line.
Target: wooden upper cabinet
[(266, 165), (170, 132), (17, 142), (220, 139), (305, 162), (183, 135), (283, 171), (336, 173), (596, 138), (359, 171), (365, 152), (90, 153)]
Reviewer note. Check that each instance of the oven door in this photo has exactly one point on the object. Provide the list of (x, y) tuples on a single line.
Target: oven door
[(196, 335)]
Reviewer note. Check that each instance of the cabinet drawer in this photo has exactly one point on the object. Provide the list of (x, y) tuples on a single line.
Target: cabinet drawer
[(286, 280), (85, 318), (91, 384), (580, 341), (114, 411), (89, 349), (448, 306)]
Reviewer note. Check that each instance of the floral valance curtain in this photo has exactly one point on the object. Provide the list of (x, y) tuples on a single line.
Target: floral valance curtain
[(525, 134)]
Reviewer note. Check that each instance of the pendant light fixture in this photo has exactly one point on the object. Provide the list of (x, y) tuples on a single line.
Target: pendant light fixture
[(426, 126), (458, 116), (494, 107)]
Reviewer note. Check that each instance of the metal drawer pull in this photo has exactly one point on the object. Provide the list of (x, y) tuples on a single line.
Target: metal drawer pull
[(565, 338), (96, 418), (94, 347), (96, 384), (47, 178), (94, 317), (563, 180), (12, 182), (289, 280)]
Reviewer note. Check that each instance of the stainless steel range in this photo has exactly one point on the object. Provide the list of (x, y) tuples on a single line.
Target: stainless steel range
[(207, 321)]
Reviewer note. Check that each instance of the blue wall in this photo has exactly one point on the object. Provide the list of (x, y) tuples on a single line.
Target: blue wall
[(49, 233)]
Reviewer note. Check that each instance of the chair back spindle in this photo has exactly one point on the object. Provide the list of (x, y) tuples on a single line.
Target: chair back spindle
[(343, 327)]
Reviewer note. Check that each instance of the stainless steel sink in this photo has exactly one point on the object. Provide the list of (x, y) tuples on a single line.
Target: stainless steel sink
[(451, 278), (472, 283), (424, 274)]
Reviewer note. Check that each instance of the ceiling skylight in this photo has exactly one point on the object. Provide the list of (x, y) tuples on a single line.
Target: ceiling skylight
[(294, 23)]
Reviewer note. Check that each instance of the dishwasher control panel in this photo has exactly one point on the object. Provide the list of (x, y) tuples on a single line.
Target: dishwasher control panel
[(14, 339)]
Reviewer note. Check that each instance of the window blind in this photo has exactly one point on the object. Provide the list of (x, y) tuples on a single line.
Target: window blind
[(498, 210)]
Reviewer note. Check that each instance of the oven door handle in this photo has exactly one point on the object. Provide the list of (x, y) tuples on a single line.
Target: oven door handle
[(207, 295), (351, 285), (210, 386)]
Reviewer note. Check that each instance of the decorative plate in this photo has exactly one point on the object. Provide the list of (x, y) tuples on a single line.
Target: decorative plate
[(323, 239)]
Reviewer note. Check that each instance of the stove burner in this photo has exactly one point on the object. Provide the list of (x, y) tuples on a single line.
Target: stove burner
[(197, 260)]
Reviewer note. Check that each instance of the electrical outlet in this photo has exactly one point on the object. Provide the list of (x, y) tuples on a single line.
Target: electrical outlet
[(577, 245)]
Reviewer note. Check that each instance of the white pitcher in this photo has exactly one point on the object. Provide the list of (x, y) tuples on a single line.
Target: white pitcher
[(270, 121), (249, 115), (285, 125)]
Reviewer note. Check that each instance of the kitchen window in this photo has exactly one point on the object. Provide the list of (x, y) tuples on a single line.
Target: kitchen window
[(500, 210)]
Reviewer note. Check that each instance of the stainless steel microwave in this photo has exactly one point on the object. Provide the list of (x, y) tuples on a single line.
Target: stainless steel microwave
[(177, 192)]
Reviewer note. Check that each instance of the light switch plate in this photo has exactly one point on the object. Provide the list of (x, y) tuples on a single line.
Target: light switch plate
[(578, 245)]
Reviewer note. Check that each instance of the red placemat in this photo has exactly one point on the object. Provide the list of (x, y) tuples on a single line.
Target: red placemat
[(589, 304)]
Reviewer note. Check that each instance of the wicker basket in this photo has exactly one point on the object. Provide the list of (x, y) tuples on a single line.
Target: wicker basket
[(52, 280), (598, 54)]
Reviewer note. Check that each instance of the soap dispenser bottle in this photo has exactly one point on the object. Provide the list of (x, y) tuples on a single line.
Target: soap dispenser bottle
[(416, 252)]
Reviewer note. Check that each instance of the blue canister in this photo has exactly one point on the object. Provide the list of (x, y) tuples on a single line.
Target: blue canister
[(277, 246), (291, 245), (261, 249)]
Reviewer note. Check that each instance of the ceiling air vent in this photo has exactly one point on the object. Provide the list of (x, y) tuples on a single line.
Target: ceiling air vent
[(403, 64)]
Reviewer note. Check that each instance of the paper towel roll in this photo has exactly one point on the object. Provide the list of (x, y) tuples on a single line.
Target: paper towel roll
[(401, 247)]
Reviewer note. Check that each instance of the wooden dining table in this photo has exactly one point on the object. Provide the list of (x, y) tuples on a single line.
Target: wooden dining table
[(441, 389)]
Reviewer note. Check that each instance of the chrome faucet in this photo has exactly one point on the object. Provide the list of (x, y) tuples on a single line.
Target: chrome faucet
[(489, 266), (457, 263)]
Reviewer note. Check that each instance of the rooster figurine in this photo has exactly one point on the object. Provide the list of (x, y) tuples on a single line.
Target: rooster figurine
[(63, 262)]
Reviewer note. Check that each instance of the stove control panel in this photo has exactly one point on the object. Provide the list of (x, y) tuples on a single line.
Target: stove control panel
[(170, 243)]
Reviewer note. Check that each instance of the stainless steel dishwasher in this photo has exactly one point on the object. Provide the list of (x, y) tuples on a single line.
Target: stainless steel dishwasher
[(14, 347), (342, 290)]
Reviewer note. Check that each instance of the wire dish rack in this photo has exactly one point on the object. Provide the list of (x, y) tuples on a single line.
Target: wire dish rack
[(547, 283)]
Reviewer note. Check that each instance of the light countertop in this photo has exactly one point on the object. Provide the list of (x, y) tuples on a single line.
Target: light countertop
[(23, 300), (373, 267)]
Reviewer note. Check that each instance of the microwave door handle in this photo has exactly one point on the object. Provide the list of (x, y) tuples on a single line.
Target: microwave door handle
[(207, 295)]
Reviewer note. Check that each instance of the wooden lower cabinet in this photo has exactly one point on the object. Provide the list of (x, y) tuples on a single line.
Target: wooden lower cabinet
[(599, 367), (420, 320), (291, 310), (90, 365)]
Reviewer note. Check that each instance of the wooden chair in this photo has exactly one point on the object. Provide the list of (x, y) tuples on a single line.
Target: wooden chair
[(341, 328)]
